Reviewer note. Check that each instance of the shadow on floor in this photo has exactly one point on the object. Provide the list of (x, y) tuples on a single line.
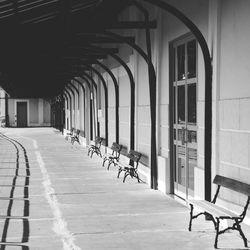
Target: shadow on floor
[(21, 161)]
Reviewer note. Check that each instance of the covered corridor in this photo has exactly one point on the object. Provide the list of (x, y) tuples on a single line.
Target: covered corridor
[(55, 197), (167, 80)]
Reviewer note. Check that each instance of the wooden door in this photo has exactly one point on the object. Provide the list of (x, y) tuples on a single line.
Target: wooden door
[(184, 90), (22, 119)]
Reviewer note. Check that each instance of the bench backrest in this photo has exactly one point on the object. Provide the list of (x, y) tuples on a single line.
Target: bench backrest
[(98, 141), (232, 184), (116, 148), (135, 157)]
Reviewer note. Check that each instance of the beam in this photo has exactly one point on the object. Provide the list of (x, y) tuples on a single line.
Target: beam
[(84, 50), (131, 25), (95, 39)]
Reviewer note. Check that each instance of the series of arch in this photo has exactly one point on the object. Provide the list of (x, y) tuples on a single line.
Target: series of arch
[(91, 84)]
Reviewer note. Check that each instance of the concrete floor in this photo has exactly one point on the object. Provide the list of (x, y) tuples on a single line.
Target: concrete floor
[(53, 196)]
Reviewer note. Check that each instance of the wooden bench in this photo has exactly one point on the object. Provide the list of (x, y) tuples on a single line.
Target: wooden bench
[(112, 158), (69, 134), (131, 168), (217, 213), (96, 148), (75, 136)]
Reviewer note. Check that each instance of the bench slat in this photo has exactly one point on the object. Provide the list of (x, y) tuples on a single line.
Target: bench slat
[(212, 208), (232, 184)]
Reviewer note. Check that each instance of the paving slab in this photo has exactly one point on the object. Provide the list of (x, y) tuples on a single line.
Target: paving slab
[(53, 196)]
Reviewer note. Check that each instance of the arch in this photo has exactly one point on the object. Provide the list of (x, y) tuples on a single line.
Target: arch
[(84, 101), (106, 100), (132, 92), (152, 96), (69, 125), (72, 102), (116, 98), (88, 80), (77, 91), (208, 86)]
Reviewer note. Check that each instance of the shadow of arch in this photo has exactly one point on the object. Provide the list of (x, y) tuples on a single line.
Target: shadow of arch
[(19, 149)]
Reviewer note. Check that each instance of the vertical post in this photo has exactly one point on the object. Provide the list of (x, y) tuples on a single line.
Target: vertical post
[(152, 93), (7, 123), (91, 114)]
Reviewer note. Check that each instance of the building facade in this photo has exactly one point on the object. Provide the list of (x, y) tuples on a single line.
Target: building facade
[(29, 112)]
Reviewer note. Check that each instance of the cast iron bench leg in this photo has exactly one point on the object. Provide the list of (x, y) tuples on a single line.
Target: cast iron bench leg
[(241, 232), (191, 217), (119, 172), (104, 160), (125, 176), (217, 233)]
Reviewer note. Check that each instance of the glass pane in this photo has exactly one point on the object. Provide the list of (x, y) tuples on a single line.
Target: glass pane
[(174, 160), (174, 66), (192, 162), (192, 136), (191, 51), (180, 135), (174, 104), (181, 62), (181, 104), (181, 166), (192, 103)]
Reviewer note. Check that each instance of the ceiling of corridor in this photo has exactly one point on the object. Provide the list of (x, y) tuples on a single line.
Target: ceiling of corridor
[(43, 42)]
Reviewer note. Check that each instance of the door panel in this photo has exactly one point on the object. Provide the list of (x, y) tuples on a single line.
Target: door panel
[(184, 116), (21, 114)]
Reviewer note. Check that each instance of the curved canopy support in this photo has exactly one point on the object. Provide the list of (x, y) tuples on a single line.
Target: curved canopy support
[(91, 83), (152, 94), (70, 108), (208, 86), (84, 101), (116, 98), (106, 100), (72, 104), (132, 92)]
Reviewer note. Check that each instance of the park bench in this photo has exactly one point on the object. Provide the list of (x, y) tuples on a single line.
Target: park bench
[(75, 136), (69, 134), (216, 213), (96, 148), (130, 168), (112, 158)]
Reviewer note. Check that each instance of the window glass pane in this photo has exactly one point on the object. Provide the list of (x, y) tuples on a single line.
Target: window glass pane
[(191, 51), (174, 162), (181, 104), (174, 66), (174, 104), (192, 136), (181, 62), (181, 178), (192, 162), (192, 103)]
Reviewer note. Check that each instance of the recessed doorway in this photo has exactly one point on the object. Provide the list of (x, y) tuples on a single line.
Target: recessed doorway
[(184, 115), (22, 114)]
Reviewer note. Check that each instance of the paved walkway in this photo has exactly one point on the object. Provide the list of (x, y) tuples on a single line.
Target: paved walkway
[(52, 196)]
